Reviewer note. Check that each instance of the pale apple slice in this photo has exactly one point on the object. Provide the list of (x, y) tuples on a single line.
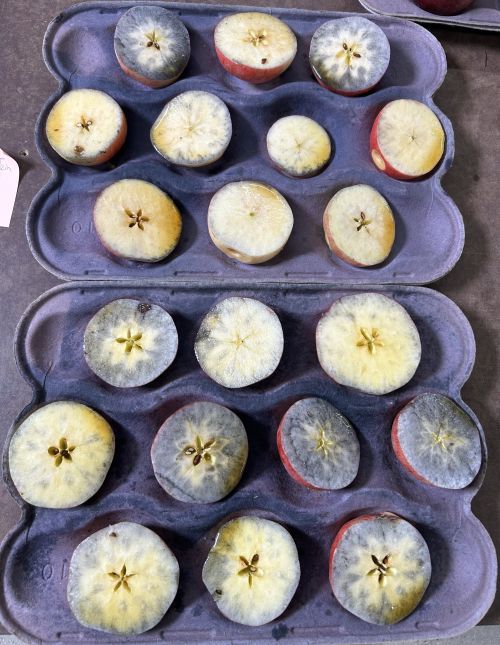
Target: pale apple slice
[(369, 342), (437, 442), (380, 567), (407, 139), (255, 47), (249, 221), (252, 571), (136, 220), (193, 129), (152, 45), (359, 225), (60, 454), (298, 146), (240, 342), (122, 579), (200, 452), (129, 343), (86, 127), (349, 55)]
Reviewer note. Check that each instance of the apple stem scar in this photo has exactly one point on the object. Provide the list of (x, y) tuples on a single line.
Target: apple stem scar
[(130, 341), (362, 222), (200, 450), (63, 452), (250, 569), (382, 568), (370, 340), (122, 578)]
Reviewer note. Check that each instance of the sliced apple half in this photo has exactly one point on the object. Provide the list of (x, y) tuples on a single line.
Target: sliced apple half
[(407, 139), (369, 342)]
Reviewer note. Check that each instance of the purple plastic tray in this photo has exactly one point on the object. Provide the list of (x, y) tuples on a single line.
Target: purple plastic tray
[(35, 555), (78, 50), (484, 14)]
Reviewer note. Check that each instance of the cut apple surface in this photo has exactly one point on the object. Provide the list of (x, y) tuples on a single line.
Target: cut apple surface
[(254, 46), (444, 7), (368, 341), (317, 445), (359, 225), (249, 221), (437, 442), (129, 343), (136, 220), (86, 127), (407, 139), (298, 146), (122, 579), (152, 45), (349, 55), (200, 452), (60, 455), (240, 342), (193, 129), (380, 567), (252, 571)]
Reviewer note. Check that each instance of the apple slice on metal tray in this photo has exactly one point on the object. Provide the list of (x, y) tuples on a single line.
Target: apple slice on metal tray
[(252, 571), (298, 146), (317, 445), (122, 579), (129, 343), (255, 47), (200, 452), (437, 442), (407, 139), (349, 55), (249, 221), (193, 129), (137, 221), (369, 342), (240, 342), (152, 45), (60, 454), (86, 127), (359, 226), (380, 567)]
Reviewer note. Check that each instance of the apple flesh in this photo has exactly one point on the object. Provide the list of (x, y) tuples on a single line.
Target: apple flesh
[(255, 47), (444, 7), (407, 140)]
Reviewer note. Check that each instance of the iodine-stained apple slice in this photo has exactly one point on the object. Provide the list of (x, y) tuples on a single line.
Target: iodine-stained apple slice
[(359, 225), (380, 567), (200, 452), (86, 127), (252, 571), (298, 146), (128, 343), (60, 455), (240, 342), (255, 47), (407, 139), (349, 55), (369, 342), (193, 129), (444, 7), (317, 445), (249, 221), (437, 442), (136, 220), (122, 579), (152, 45)]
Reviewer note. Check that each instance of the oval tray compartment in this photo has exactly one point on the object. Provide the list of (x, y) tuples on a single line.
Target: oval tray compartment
[(34, 556), (78, 50)]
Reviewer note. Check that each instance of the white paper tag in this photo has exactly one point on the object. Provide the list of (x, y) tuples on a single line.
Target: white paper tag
[(9, 180)]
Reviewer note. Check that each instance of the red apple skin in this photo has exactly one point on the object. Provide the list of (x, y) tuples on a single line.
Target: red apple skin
[(341, 92), (251, 74), (146, 81), (334, 248), (444, 7), (398, 451), (374, 147), (288, 466)]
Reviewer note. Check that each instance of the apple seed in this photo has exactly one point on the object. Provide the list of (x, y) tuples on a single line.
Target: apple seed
[(382, 569), (137, 218), (250, 568), (63, 452), (131, 341), (370, 340), (122, 578)]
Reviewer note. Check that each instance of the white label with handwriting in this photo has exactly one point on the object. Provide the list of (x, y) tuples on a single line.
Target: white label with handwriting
[(9, 180)]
